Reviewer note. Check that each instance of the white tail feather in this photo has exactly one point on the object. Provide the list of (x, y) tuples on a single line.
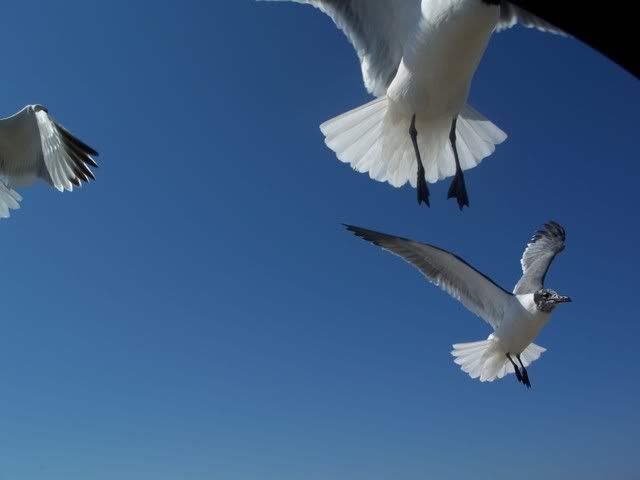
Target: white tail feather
[(485, 361), (376, 140), (9, 200)]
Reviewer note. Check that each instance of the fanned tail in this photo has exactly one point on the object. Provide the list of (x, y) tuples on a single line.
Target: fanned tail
[(485, 361), (375, 139)]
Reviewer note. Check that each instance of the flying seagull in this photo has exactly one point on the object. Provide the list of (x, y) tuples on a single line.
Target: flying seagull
[(33, 145), (418, 58), (516, 318)]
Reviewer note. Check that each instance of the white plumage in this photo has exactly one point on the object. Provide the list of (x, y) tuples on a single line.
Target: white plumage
[(516, 319), (33, 145), (418, 57)]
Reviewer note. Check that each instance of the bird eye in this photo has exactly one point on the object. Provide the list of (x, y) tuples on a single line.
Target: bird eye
[(545, 294)]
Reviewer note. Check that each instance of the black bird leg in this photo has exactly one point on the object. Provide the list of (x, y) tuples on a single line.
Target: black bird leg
[(457, 188), (525, 375), (421, 184), (515, 367)]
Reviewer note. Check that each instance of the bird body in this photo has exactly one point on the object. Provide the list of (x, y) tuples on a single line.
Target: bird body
[(34, 146), (440, 56), (521, 324), (514, 335), (418, 58), (516, 318)]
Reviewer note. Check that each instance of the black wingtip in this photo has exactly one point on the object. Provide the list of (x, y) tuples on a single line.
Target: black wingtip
[(550, 229), (556, 228), (358, 231), (370, 236), (75, 141)]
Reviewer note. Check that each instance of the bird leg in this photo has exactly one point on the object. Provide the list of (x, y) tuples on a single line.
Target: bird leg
[(515, 367), (457, 188), (525, 375), (423, 190)]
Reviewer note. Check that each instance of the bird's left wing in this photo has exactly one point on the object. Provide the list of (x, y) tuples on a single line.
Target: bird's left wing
[(537, 257), (67, 159), (376, 29), (474, 290), (511, 14)]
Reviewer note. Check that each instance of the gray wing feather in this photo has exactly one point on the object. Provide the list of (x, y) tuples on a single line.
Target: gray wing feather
[(537, 257), (510, 15), (375, 28), (475, 291)]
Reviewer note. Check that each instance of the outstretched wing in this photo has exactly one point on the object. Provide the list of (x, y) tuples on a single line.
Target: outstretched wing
[(474, 290), (510, 15), (67, 159), (540, 252), (376, 29)]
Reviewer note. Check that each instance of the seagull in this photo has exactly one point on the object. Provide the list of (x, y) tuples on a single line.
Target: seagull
[(33, 145), (418, 58), (516, 318)]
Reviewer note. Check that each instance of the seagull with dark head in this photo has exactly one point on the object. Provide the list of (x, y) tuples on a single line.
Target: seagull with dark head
[(516, 318), (418, 57), (34, 146)]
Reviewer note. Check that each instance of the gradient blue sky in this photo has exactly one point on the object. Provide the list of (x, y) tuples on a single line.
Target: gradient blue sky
[(199, 312)]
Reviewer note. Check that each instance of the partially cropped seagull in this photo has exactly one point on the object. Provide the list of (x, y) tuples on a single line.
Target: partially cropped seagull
[(418, 58), (516, 317), (33, 145)]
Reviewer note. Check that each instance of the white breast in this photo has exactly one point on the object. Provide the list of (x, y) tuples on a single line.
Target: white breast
[(521, 325)]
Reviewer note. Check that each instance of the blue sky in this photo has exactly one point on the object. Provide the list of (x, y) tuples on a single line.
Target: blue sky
[(199, 312)]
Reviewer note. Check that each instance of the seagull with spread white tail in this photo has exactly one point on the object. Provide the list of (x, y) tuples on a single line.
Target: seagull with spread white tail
[(33, 145), (418, 58), (516, 317)]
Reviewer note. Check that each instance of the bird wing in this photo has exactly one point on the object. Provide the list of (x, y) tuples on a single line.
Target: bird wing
[(511, 14), (9, 199), (540, 252), (376, 29), (474, 290), (67, 159)]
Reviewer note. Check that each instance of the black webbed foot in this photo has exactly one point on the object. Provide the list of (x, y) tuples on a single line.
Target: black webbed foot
[(423, 190), (458, 189), (421, 183), (518, 375), (516, 369), (525, 375)]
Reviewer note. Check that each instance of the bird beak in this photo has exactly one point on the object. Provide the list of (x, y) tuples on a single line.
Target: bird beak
[(562, 299)]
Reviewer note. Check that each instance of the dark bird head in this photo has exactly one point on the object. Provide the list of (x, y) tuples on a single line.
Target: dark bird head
[(546, 299)]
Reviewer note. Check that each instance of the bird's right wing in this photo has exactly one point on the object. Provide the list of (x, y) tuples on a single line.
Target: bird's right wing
[(67, 159), (376, 29), (474, 290)]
